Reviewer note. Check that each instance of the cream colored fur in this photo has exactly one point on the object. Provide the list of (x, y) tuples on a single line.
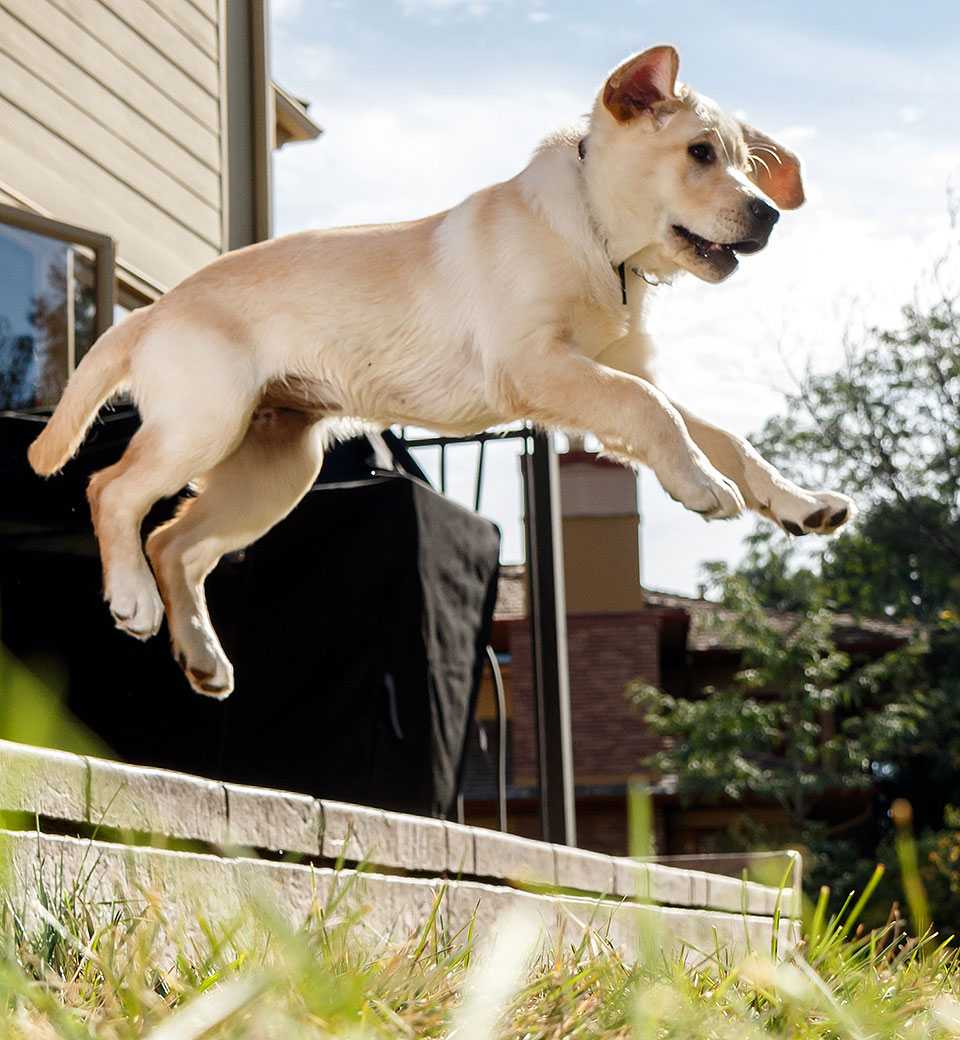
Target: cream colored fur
[(506, 307)]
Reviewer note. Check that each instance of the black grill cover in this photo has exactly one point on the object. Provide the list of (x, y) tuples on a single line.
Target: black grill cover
[(356, 627)]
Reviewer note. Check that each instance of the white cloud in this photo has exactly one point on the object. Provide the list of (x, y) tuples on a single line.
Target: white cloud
[(725, 349), (436, 9), (865, 67), (793, 136), (674, 541), (315, 69), (285, 10), (422, 153)]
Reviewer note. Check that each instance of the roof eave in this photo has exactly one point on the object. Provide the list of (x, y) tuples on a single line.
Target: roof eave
[(293, 122)]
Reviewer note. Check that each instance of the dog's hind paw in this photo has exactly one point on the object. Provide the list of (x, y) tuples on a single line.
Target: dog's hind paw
[(137, 609), (207, 670)]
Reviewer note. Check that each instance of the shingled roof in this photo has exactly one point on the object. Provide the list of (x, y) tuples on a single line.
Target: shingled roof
[(711, 624)]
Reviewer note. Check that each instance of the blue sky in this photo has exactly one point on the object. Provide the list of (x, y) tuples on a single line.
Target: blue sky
[(425, 101)]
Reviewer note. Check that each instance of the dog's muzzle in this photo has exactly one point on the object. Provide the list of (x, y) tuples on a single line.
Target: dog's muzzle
[(765, 216), (721, 257)]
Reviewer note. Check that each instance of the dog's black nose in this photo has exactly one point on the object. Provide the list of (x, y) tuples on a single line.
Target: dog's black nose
[(765, 214)]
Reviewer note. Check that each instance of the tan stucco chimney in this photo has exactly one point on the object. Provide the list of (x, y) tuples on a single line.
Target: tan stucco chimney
[(601, 537)]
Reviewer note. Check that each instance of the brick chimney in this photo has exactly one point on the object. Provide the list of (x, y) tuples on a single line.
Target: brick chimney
[(601, 536)]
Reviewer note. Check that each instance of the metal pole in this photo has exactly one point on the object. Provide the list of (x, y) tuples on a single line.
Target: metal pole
[(548, 620), (501, 739)]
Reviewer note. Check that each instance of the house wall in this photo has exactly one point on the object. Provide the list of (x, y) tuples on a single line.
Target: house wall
[(606, 651), (601, 548), (110, 118), (601, 563)]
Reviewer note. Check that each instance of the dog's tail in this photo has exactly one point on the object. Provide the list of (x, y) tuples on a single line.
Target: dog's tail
[(102, 370)]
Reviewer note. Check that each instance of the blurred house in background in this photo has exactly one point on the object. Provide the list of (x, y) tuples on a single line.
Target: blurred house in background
[(618, 631)]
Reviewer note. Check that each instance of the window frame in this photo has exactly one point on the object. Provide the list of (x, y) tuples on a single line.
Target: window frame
[(103, 248)]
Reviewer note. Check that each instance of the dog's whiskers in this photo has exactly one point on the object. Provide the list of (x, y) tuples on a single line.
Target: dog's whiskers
[(756, 161), (754, 157), (723, 144)]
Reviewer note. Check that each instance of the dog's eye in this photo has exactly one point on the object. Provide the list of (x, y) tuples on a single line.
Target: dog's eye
[(702, 153)]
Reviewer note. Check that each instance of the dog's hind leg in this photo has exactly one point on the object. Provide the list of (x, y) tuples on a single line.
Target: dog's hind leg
[(161, 459), (240, 499)]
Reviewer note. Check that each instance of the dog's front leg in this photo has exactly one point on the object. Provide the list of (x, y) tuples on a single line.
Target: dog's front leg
[(763, 487), (550, 383)]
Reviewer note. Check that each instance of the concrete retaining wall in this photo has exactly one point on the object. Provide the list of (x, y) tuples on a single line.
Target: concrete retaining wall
[(198, 845)]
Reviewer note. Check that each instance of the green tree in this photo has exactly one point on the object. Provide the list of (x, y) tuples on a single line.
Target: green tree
[(884, 428), (767, 734), (887, 424), (880, 568), (801, 721)]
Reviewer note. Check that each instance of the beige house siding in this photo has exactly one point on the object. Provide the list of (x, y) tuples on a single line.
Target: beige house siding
[(110, 118)]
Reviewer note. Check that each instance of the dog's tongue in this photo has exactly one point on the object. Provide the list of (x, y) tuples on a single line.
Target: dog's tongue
[(707, 249)]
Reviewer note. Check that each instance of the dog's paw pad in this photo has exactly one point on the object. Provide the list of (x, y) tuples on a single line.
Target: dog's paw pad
[(822, 512), (207, 670), (140, 623), (207, 681), (815, 520), (211, 684), (219, 691)]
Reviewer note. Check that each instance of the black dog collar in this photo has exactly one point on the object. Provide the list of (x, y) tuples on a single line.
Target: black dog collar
[(622, 268)]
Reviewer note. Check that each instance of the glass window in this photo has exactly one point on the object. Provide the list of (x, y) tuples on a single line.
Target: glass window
[(50, 305), (47, 311)]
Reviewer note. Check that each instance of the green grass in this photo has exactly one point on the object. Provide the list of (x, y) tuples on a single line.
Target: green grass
[(118, 971)]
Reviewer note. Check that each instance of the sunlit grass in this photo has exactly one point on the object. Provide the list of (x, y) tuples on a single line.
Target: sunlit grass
[(121, 971), (73, 968)]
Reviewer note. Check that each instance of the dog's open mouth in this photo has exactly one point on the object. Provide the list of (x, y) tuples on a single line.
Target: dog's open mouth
[(711, 250), (713, 261)]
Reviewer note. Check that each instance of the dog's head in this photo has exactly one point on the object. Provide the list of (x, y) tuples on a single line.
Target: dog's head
[(675, 174)]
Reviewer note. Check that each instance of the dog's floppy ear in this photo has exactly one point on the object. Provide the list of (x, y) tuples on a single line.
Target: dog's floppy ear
[(643, 84), (774, 169)]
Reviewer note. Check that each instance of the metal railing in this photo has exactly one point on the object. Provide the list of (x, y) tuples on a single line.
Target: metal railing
[(547, 613)]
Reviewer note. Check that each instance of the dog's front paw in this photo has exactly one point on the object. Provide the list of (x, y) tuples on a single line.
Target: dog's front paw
[(706, 491), (815, 512)]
